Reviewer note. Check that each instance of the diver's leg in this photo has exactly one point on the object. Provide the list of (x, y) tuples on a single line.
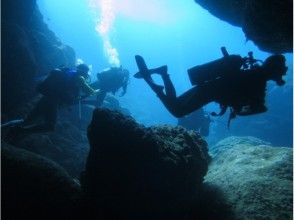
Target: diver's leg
[(168, 85), (100, 97), (35, 112), (50, 116), (195, 98), (49, 113), (158, 70), (188, 102), (146, 75), (168, 98), (158, 89), (47, 109)]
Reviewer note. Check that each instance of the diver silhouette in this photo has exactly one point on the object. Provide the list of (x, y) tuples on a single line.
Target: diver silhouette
[(232, 81), (198, 121), (109, 80), (61, 88)]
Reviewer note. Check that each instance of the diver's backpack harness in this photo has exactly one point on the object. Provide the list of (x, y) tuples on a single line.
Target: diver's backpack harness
[(222, 68), (59, 84)]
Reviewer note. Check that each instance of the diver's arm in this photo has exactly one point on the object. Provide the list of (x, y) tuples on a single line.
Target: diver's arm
[(88, 90)]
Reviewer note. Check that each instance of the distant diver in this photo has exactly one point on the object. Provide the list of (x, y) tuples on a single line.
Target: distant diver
[(234, 82), (61, 88), (109, 80), (198, 121)]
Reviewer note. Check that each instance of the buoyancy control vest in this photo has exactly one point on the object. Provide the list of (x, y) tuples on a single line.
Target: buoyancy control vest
[(60, 84)]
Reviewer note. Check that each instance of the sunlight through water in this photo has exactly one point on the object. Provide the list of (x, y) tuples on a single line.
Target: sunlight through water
[(104, 24)]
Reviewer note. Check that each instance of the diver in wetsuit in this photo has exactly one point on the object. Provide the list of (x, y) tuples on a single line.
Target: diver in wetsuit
[(61, 88), (198, 121), (242, 90), (110, 81)]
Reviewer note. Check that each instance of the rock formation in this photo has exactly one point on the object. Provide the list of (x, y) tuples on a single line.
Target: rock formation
[(131, 172), (256, 178), (268, 23), (34, 187), (137, 172), (29, 49)]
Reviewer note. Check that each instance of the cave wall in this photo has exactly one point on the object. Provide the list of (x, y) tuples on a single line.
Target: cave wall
[(28, 50), (268, 23)]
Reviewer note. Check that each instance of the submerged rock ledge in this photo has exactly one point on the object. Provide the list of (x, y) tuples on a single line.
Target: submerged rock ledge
[(268, 23), (144, 171), (132, 172), (256, 178)]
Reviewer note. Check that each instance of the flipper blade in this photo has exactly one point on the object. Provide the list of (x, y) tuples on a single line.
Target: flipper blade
[(143, 70)]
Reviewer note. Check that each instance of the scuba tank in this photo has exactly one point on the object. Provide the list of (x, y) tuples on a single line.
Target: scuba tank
[(219, 68)]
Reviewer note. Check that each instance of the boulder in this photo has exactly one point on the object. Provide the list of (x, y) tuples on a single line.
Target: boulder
[(268, 23), (67, 146), (139, 172), (29, 50), (34, 187), (256, 178)]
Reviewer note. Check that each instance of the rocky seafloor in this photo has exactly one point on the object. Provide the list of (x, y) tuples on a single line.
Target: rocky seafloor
[(256, 178), (128, 171)]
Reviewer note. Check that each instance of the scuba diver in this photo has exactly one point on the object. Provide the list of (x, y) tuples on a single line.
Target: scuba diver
[(60, 88), (234, 82), (109, 80), (198, 121)]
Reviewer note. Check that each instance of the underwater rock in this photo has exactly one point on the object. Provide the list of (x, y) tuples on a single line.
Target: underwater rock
[(255, 177), (18, 67), (232, 141), (67, 146), (81, 116), (111, 102), (29, 50), (268, 23), (138, 172), (34, 187)]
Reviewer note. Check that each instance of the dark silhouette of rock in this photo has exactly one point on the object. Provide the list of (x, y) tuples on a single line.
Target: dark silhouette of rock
[(67, 146), (34, 187), (29, 49), (132, 172), (137, 172), (268, 23)]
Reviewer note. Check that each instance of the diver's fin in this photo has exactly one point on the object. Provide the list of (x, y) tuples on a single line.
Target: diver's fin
[(162, 70), (141, 63), (146, 75), (143, 70)]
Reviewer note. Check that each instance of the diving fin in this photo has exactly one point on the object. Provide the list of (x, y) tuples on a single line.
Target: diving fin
[(146, 75), (162, 70), (143, 70)]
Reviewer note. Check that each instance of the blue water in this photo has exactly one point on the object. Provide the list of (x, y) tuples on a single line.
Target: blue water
[(180, 34)]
